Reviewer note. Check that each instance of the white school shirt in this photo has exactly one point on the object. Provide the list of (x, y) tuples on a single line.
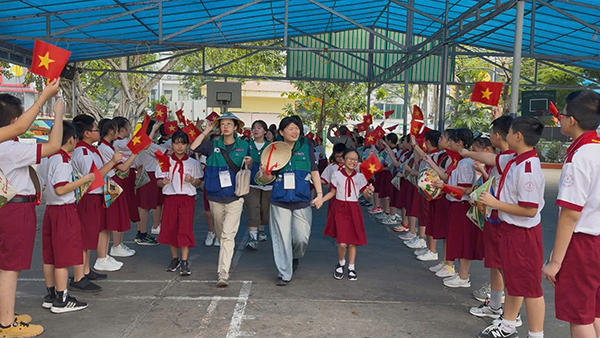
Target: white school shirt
[(329, 171), (523, 184), (495, 173), (107, 152), (147, 157), (580, 183), (178, 185), (83, 156), (59, 172), (463, 176), (15, 160), (348, 185)]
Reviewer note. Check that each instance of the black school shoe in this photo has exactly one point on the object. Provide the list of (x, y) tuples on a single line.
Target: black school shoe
[(281, 282), (49, 298), (84, 285), (69, 304), (352, 275), (338, 273), (93, 275), (184, 268), (175, 263)]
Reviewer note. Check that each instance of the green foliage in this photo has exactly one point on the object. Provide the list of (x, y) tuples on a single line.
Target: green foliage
[(5, 71), (467, 114), (557, 152), (163, 100)]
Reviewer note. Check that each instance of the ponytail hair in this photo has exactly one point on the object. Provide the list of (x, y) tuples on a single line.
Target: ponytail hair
[(106, 126)]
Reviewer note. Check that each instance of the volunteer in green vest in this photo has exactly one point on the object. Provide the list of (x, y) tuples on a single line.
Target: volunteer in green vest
[(258, 201), (224, 157), (291, 213)]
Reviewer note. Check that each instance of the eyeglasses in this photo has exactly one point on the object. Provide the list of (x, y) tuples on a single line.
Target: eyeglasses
[(560, 116), (352, 159), (94, 130)]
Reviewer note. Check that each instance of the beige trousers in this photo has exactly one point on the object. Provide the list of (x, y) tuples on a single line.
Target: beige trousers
[(227, 222)]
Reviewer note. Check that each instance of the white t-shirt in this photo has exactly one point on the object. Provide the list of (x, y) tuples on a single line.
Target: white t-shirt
[(83, 156), (15, 160), (327, 174), (495, 173), (579, 187), (147, 157), (463, 176), (178, 185), (348, 185), (268, 187), (59, 172), (524, 185)]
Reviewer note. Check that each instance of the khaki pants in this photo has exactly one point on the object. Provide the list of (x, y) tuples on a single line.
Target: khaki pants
[(227, 222), (258, 205), (290, 232)]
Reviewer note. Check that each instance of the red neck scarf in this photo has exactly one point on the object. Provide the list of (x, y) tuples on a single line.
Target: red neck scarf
[(349, 182), (585, 138), (108, 144), (179, 166)]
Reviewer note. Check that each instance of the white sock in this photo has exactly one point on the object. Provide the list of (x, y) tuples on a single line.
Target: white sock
[(536, 334), (254, 234), (342, 262), (509, 326), (350, 266)]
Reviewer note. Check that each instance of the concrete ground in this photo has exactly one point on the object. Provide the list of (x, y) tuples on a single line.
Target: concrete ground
[(395, 295)]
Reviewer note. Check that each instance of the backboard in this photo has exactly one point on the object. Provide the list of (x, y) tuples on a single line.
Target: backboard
[(219, 94)]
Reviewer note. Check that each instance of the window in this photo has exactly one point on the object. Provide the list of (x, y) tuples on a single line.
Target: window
[(168, 94)]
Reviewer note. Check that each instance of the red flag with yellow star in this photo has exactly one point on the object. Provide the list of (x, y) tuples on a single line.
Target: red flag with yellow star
[(389, 113), (368, 119), (145, 125), (163, 161), (180, 116), (417, 113), (453, 191), (455, 157), (191, 131), (392, 128), (415, 127), (139, 142), (371, 167), (487, 93), (49, 60), (171, 127), (364, 126), (212, 117), (370, 138), (379, 132), (161, 113)]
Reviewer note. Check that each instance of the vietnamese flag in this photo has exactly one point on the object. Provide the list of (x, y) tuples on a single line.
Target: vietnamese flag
[(318, 139), (371, 167), (180, 116), (139, 142), (145, 125), (98, 178), (163, 161), (370, 138), (362, 127), (455, 157), (392, 128), (310, 136), (553, 109), (417, 113), (389, 113), (212, 117), (379, 132), (368, 119), (487, 93), (453, 191), (161, 113), (415, 127), (191, 131), (49, 60), (171, 127)]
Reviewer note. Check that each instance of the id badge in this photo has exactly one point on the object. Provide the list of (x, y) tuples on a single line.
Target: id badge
[(225, 179), (289, 181)]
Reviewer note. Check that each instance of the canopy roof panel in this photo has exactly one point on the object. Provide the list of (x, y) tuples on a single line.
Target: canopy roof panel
[(559, 30)]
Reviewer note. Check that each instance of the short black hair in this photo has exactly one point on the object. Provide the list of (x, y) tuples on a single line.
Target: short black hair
[(180, 136), (360, 140), (83, 123), (349, 150), (392, 138), (501, 125), (339, 148), (462, 134), (531, 129), (483, 141), (106, 126), (262, 124), (433, 136), (295, 119), (11, 108), (343, 130), (584, 106), (68, 132)]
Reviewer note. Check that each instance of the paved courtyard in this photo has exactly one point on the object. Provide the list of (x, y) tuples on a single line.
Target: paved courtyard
[(395, 295)]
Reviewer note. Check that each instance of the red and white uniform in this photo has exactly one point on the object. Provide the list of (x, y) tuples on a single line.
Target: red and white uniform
[(464, 176), (129, 181), (150, 196), (521, 246), (428, 212), (578, 281), (329, 171), (18, 221), (345, 222), (117, 215), (178, 213), (92, 213), (61, 231)]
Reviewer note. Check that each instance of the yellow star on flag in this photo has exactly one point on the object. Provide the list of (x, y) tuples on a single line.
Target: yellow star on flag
[(172, 128), (136, 140), (486, 94), (159, 113), (416, 130), (192, 133), (453, 194), (45, 60), (370, 138), (372, 168), (161, 164)]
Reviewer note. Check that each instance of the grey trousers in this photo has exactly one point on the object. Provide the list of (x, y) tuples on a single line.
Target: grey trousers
[(290, 231)]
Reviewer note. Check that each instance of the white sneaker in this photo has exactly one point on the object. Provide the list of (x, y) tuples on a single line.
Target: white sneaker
[(104, 264), (428, 256), (484, 310), (120, 251), (458, 283), (217, 242), (437, 267), (155, 231), (419, 252), (114, 261), (455, 276), (210, 238), (381, 215), (419, 243), (498, 321), (127, 248), (392, 220), (446, 271), (407, 236), (412, 240)]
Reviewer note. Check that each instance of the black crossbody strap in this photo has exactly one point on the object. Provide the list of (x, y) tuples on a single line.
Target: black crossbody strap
[(229, 161)]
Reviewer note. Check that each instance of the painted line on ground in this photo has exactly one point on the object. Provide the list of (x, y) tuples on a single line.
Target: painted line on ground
[(208, 316), (238, 313), (143, 280)]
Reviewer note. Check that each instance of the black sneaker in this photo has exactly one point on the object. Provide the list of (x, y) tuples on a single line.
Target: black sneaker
[(145, 239), (175, 263), (338, 273), (352, 275), (494, 331), (84, 285), (281, 282), (295, 263), (184, 268), (70, 304), (93, 275), (49, 298)]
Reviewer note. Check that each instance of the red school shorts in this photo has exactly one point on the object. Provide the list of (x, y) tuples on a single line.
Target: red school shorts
[(61, 236), (425, 211), (117, 214), (578, 281), (412, 201), (18, 223), (522, 252), (177, 227), (465, 239), (491, 240), (92, 215), (438, 227), (132, 200), (149, 195)]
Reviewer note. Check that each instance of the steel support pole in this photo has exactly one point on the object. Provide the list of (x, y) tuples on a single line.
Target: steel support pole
[(285, 25), (410, 19), (444, 75), (514, 94), (74, 112)]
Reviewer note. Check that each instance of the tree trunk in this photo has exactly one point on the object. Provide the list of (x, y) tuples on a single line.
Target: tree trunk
[(323, 117), (84, 103)]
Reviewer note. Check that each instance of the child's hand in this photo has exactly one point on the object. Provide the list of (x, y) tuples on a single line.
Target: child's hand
[(166, 180), (318, 202), (439, 184), (59, 108), (428, 159), (156, 126), (370, 189), (51, 89), (89, 177), (407, 168), (248, 161), (189, 178), (464, 153), (479, 167), (209, 126), (117, 157), (413, 140), (488, 199), (550, 271)]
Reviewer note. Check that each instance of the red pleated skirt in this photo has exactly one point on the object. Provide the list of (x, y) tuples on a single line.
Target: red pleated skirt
[(465, 239), (150, 196), (346, 224), (132, 200), (438, 225), (117, 214), (177, 227)]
